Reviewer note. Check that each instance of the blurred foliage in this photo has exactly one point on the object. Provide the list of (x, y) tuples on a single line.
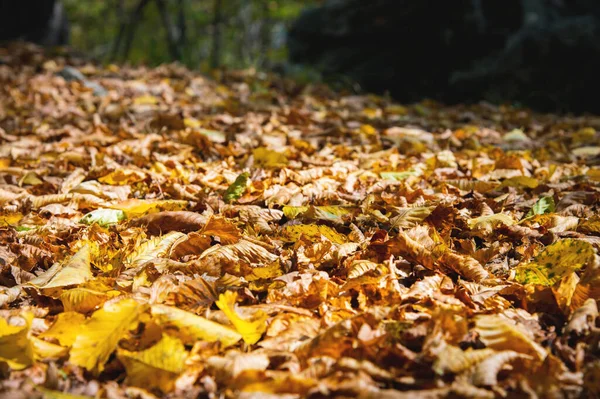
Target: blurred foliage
[(251, 33)]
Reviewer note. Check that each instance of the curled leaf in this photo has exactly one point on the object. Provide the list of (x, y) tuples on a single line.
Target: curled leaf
[(75, 271), (251, 330)]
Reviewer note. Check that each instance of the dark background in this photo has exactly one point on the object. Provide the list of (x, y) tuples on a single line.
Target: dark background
[(538, 53)]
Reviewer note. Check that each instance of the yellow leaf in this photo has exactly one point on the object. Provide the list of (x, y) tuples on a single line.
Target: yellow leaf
[(410, 216), (292, 212), (333, 213), (84, 300), (270, 271), (191, 328), (157, 247), (63, 328), (51, 394), (396, 109), (594, 174), (368, 130), (266, 158), (15, 346), (473, 185), (520, 181), (252, 330), (99, 336), (564, 291), (146, 99), (500, 333), (488, 223), (75, 271), (360, 268), (312, 232), (123, 177), (372, 113), (10, 219), (43, 350), (156, 367), (137, 207), (556, 261), (590, 226), (243, 250)]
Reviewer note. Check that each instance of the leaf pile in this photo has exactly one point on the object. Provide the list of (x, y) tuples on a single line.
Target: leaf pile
[(175, 237)]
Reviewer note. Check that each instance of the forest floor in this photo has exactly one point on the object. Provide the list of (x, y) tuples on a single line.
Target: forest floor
[(164, 235)]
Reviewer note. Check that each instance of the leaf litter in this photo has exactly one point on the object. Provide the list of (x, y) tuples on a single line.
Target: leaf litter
[(177, 237)]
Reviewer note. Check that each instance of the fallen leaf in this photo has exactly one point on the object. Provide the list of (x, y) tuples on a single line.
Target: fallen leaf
[(98, 337), (191, 328), (237, 188), (74, 271), (556, 261), (157, 366), (251, 330)]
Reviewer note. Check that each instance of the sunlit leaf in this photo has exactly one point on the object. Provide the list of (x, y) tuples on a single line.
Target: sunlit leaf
[(121, 177), (542, 206), (84, 300), (520, 181), (98, 337), (16, 348), (266, 158), (191, 328), (104, 217), (410, 217), (154, 248), (11, 219), (252, 328), (52, 394), (75, 270), (488, 223), (222, 228), (455, 360), (135, 207), (237, 188), (330, 213), (398, 176), (499, 333), (555, 262), (293, 233), (62, 328), (43, 350), (157, 366)]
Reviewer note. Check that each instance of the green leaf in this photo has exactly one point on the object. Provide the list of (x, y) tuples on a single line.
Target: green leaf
[(556, 261), (542, 206), (237, 188), (103, 217)]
